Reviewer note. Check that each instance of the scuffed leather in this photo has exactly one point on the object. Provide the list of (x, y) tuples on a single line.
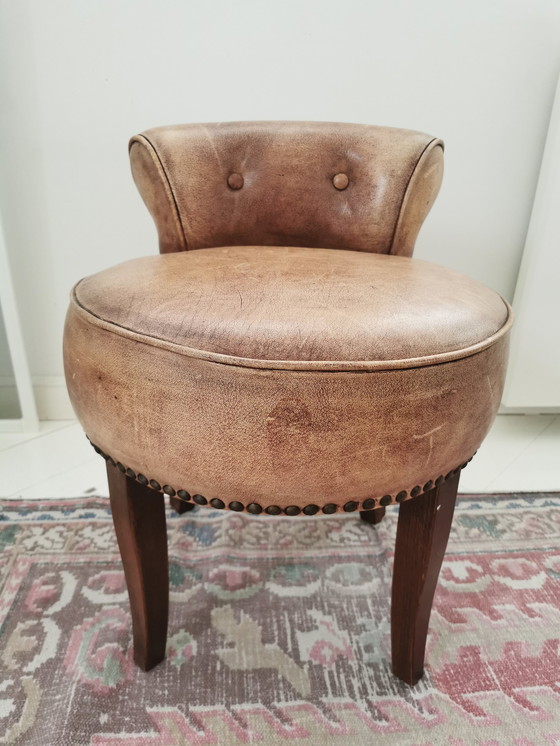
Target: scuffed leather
[(288, 197), (297, 307), (277, 437)]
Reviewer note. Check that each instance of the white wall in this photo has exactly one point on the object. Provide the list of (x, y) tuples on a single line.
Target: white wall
[(78, 77)]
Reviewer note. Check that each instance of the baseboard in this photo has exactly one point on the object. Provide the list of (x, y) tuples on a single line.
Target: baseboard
[(52, 398)]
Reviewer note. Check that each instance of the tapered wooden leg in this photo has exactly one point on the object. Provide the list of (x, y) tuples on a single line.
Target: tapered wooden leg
[(422, 534), (372, 516), (180, 506), (139, 518)]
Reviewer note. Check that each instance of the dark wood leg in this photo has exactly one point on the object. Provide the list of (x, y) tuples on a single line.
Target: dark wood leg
[(372, 516), (422, 534), (139, 518), (180, 506)]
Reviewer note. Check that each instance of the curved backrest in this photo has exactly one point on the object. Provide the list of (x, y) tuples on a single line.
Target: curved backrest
[(314, 184)]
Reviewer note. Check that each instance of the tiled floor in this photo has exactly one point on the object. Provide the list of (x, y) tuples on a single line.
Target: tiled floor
[(521, 453)]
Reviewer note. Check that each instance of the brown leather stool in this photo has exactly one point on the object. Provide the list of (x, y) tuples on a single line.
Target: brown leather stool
[(300, 365)]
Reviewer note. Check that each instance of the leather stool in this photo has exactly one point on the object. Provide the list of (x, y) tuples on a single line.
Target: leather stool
[(296, 363)]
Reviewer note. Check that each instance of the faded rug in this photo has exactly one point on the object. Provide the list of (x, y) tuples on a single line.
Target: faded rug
[(279, 631)]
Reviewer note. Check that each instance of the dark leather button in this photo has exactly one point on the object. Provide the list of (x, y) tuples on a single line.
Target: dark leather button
[(273, 510), (235, 505), (349, 507), (415, 491), (142, 479), (235, 181), (183, 494), (215, 502), (428, 486), (368, 504), (386, 500), (340, 181), (200, 500), (401, 496), (168, 489), (155, 485)]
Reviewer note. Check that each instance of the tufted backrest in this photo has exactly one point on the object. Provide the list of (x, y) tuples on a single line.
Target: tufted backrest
[(314, 184)]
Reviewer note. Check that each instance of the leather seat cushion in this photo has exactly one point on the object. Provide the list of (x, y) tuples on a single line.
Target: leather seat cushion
[(297, 307), (286, 379)]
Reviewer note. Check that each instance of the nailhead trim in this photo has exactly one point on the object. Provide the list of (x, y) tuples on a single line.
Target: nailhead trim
[(370, 503)]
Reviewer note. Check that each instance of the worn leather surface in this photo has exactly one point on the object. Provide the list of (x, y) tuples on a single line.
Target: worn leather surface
[(282, 437), (282, 184), (270, 369), (297, 307)]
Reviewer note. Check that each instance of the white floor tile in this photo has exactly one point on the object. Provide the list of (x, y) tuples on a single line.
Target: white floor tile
[(38, 459), (536, 468), (9, 440), (509, 437), (85, 479)]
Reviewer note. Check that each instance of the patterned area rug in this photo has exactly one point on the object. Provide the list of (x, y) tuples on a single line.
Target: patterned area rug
[(279, 632)]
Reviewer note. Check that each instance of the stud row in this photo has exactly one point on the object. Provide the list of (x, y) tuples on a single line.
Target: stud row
[(370, 503)]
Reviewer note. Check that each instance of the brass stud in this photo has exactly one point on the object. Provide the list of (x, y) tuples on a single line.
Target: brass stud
[(329, 508), (401, 496), (200, 500), (340, 182), (215, 502), (155, 485), (142, 479), (237, 506), (311, 509), (183, 494), (292, 510), (386, 500), (235, 181), (273, 510), (168, 489), (254, 508)]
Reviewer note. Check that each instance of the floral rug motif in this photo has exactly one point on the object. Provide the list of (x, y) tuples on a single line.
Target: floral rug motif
[(279, 631)]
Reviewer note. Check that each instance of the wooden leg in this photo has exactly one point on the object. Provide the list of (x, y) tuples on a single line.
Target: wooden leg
[(139, 518), (422, 534), (372, 516), (180, 506)]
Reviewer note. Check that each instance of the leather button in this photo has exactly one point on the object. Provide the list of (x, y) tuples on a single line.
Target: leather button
[(235, 181), (340, 181)]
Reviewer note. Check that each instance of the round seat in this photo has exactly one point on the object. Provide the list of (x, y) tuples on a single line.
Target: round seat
[(286, 379)]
